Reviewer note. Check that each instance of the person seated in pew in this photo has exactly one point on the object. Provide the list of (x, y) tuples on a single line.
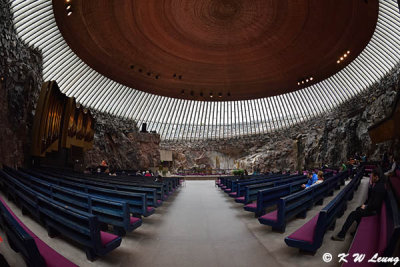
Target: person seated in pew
[(343, 167), (320, 178), (158, 179), (393, 162), (148, 174), (312, 178), (372, 205)]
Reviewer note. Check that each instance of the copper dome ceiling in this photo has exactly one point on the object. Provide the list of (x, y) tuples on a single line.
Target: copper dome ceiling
[(228, 49)]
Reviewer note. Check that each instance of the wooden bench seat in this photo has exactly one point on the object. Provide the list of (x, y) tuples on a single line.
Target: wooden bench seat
[(298, 203), (23, 240), (310, 236), (379, 233), (108, 212)]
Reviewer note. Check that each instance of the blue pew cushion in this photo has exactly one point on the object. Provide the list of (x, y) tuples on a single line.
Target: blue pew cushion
[(307, 231), (107, 238), (272, 216)]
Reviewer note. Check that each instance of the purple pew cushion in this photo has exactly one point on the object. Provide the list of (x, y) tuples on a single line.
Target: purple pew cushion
[(159, 201), (307, 231), (363, 242), (106, 238), (252, 205), (52, 257), (382, 230), (272, 216), (398, 174), (228, 190), (233, 194), (395, 181), (240, 198), (17, 219), (150, 209), (134, 220)]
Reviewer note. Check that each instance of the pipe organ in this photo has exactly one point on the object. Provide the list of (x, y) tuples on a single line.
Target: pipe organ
[(60, 122)]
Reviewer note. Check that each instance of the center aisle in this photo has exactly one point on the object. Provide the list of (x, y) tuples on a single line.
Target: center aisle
[(198, 226)]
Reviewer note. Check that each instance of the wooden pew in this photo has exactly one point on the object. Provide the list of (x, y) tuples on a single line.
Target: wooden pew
[(310, 236), (151, 193), (113, 213), (21, 239), (298, 203), (136, 202), (80, 226), (379, 233)]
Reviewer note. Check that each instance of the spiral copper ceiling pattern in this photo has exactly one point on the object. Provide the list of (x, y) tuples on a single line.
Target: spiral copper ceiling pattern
[(195, 49), (174, 118)]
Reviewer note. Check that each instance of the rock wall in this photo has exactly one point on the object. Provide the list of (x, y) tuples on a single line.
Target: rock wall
[(20, 83), (329, 139), (119, 142)]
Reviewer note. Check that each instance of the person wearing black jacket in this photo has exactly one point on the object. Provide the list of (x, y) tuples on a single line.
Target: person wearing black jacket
[(376, 196)]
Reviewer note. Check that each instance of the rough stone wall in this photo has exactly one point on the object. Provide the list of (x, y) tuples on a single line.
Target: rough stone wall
[(119, 142), (20, 83), (329, 139)]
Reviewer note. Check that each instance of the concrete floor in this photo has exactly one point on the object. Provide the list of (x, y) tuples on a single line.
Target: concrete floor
[(200, 226)]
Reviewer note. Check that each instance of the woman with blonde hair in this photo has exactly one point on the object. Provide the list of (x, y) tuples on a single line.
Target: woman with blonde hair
[(320, 177)]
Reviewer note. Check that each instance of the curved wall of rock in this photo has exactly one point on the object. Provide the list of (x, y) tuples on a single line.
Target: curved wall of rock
[(20, 83), (329, 139), (119, 142)]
